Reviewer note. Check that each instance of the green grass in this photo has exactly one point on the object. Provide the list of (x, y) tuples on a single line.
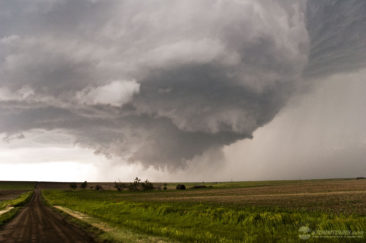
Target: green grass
[(6, 217), (16, 185), (204, 222), (103, 232), (16, 203), (19, 201)]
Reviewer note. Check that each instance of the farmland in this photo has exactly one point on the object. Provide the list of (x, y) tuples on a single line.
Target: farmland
[(13, 193), (225, 212), (16, 185), (12, 196)]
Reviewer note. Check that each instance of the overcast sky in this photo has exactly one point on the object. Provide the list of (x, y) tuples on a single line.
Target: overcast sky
[(200, 90)]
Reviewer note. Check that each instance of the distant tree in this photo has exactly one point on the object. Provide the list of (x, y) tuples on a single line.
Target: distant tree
[(119, 186), (98, 188), (181, 187), (147, 186), (134, 186), (84, 184), (165, 187), (73, 186)]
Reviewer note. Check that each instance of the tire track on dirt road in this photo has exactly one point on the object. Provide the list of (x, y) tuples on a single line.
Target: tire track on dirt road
[(38, 223)]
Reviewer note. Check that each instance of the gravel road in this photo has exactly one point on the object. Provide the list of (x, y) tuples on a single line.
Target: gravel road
[(37, 222)]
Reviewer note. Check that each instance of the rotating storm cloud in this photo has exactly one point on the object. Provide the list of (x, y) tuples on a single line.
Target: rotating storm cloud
[(164, 83)]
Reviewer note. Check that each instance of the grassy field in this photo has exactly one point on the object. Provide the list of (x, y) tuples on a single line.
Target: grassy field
[(19, 201), (16, 185), (237, 212), (13, 194), (15, 204)]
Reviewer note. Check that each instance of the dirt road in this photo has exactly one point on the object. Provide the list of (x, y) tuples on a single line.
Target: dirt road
[(39, 223)]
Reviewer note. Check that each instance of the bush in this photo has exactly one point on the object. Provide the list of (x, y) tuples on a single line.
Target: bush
[(119, 186), (198, 187), (73, 186), (98, 188), (84, 184), (135, 185), (181, 187), (147, 186)]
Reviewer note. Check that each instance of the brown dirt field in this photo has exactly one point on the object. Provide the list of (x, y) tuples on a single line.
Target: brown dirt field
[(346, 202), (10, 194), (341, 196), (39, 223), (297, 188)]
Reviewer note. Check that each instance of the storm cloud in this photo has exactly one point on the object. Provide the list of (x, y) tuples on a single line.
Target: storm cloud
[(163, 82)]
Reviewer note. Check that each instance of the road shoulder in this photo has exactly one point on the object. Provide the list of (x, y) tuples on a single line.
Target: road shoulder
[(107, 232)]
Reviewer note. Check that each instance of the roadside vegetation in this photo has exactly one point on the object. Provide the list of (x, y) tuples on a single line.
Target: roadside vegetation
[(265, 213), (13, 195), (9, 208), (19, 201)]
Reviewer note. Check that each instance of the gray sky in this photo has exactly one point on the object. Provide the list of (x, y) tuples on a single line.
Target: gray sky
[(182, 90)]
